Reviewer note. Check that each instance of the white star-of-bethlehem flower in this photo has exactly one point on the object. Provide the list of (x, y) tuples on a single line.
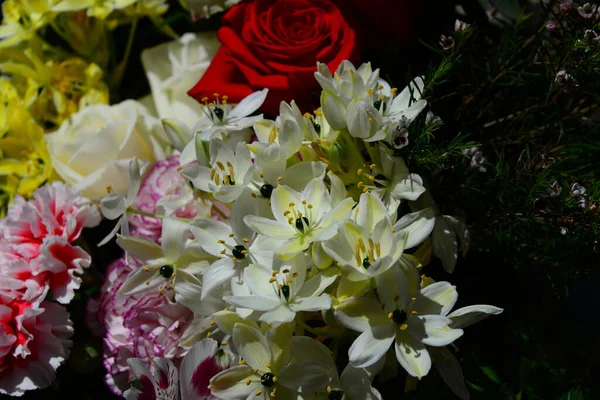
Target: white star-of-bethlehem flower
[(301, 218)]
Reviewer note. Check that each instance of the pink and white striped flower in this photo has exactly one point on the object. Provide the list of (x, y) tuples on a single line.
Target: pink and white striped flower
[(144, 325)]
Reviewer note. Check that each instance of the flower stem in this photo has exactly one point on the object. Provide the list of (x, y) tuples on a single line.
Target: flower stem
[(220, 212), (157, 216), (120, 70), (310, 329)]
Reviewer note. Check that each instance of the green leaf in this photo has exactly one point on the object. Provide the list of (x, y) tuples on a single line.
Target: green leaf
[(475, 386), (576, 393), (491, 374)]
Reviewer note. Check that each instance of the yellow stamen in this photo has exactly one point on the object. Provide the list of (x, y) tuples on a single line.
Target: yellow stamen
[(231, 235), (248, 381), (403, 327), (245, 240), (390, 315), (258, 392), (272, 280)]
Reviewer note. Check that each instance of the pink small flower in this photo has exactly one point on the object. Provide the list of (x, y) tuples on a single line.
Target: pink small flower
[(587, 10), (550, 25), (566, 6), (145, 325), (34, 342), (460, 26), (447, 42)]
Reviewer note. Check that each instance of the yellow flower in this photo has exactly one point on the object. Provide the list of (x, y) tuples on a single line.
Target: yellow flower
[(95, 8), (24, 159), (22, 18), (54, 90)]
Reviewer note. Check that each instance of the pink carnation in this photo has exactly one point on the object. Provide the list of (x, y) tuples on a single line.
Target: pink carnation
[(144, 326), (36, 243), (34, 342), (165, 191)]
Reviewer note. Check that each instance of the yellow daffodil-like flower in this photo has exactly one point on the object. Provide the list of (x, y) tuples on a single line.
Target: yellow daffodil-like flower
[(24, 159), (98, 8), (54, 90), (150, 8), (22, 18)]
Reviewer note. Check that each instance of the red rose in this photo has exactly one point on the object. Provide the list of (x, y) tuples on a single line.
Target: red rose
[(276, 44)]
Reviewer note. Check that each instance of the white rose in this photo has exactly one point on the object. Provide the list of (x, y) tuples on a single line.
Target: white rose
[(175, 67), (92, 150)]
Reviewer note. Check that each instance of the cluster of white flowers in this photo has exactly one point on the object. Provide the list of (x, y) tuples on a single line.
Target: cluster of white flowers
[(315, 247)]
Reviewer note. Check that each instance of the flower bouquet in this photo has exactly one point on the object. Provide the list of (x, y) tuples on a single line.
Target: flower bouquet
[(229, 200)]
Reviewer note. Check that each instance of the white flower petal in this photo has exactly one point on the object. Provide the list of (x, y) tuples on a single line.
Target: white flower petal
[(200, 358), (141, 280), (174, 237), (305, 376), (323, 302), (371, 345), (253, 302), (113, 205), (318, 283), (258, 281), (437, 298), (249, 104), (252, 346), (412, 355), (360, 313), (392, 289), (370, 211), (433, 330), (278, 315), (208, 232), (333, 109), (469, 315), (141, 248), (418, 225), (217, 274), (270, 228), (231, 383)]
